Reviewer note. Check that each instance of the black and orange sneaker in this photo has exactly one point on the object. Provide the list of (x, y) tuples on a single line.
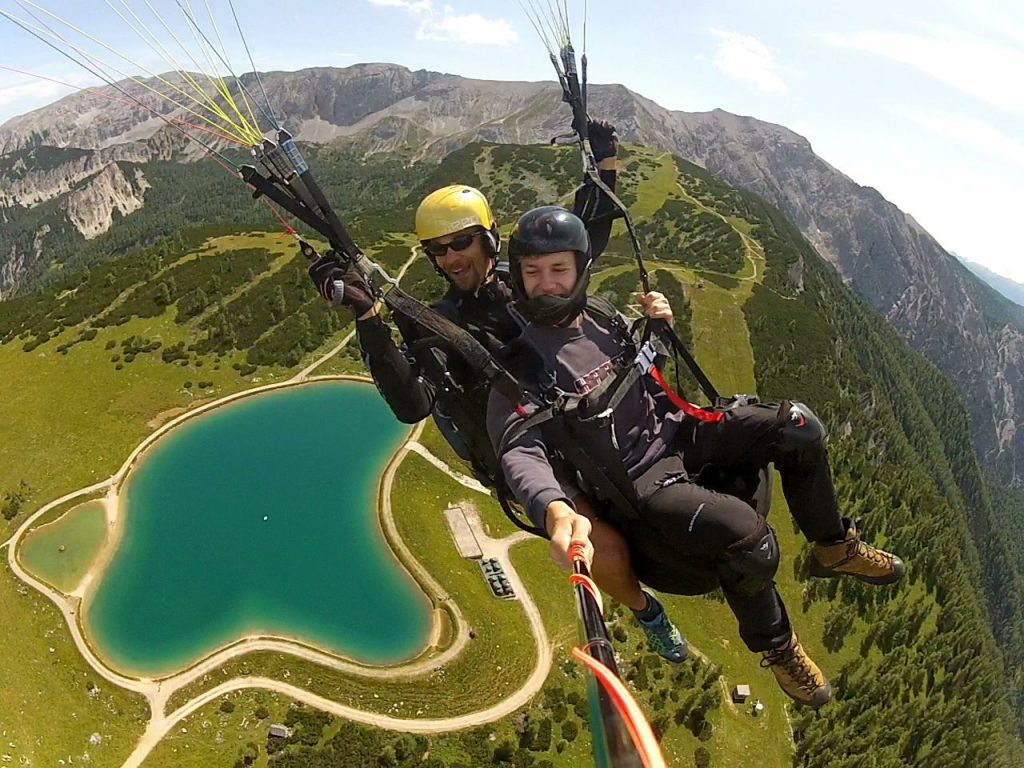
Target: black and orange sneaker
[(850, 556), (798, 676)]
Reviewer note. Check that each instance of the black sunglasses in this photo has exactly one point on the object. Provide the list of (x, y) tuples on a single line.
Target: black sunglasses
[(459, 243)]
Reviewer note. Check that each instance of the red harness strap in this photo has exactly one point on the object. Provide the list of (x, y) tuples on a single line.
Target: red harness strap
[(686, 407)]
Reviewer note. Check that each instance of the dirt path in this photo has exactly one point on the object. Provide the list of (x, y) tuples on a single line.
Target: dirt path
[(459, 477)]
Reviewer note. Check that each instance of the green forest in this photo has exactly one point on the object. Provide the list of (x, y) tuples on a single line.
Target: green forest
[(934, 670)]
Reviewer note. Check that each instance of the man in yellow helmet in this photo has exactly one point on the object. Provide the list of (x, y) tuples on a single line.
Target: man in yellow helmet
[(448, 222), (458, 233)]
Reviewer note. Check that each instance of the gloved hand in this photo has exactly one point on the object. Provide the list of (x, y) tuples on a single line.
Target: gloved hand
[(326, 270), (604, 141)]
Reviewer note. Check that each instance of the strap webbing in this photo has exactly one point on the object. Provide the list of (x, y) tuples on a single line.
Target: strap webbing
[(681, 403)]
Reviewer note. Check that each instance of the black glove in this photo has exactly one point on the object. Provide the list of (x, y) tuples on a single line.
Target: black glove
[(325, 271), (604, 141)]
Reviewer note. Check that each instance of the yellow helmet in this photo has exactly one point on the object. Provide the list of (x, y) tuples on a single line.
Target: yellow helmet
[(452, 208)]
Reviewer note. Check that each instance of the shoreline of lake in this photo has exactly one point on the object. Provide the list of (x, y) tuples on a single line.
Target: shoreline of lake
[(244, 627)]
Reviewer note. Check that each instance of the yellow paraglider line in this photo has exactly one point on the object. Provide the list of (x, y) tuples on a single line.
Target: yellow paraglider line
[(224, 58), (91, 91), (236, 131), (243, 134), (205, 45), (103, 75), (157, 47), (255, 72), (253, 135)]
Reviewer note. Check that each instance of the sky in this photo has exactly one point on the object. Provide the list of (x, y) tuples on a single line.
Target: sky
[(924, 101)]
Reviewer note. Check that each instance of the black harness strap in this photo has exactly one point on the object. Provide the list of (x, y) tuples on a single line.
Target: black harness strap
[(568, 418), (664, 331), (457, 338), (605, 473)]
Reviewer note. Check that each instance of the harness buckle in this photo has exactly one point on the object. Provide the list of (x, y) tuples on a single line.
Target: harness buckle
[(379, 281), (645, 357)]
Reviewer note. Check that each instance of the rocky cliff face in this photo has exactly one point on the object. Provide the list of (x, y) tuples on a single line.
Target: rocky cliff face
[(91, 207), (882, 254), (29, 186)]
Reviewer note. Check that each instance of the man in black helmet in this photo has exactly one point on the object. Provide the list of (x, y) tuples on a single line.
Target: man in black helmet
[(618, 429), (459, 234)]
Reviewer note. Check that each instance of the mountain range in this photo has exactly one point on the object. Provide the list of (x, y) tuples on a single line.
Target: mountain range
[(83, 160), (165, 314), (1011, 289)]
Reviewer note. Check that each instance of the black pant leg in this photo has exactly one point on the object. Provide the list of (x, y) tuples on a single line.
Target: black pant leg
[(698, 525), (764, 623), (751, 436), (812, 499)]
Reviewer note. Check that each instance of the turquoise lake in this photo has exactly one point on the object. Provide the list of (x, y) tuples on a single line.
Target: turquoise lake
[(259, 517)]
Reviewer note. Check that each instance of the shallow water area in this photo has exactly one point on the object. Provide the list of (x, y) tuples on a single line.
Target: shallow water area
[(259, 518), (62, 552)]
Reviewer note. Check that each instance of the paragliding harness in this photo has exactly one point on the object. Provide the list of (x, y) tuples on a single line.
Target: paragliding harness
[(580, 428), (460, 407)]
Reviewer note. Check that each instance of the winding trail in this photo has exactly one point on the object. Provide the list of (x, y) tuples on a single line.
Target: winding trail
[(459, 477), (159, 691)]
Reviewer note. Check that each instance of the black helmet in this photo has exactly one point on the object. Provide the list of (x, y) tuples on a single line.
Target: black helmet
[(549, 229)]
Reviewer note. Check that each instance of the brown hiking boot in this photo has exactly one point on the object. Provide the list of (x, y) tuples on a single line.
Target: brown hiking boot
[(852, 557), (798, 676)]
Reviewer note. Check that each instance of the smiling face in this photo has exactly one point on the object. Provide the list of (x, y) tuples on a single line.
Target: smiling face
[(468, 268), (549, 274)]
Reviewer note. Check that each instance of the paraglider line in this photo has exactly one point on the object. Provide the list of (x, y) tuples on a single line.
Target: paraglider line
[(253, 64)]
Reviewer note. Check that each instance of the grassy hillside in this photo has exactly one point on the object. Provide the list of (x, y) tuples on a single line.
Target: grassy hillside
[(114, 351)]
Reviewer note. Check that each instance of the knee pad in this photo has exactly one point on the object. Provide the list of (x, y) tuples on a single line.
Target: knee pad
[(750, 564), (802, 437)]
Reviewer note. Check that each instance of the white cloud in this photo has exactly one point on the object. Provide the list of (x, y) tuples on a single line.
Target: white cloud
[(468, 29), (997, 20), (748, 60), (414, 6), (38, 91), (985, 70), (20, 97), (448, 26), (977, 134)]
